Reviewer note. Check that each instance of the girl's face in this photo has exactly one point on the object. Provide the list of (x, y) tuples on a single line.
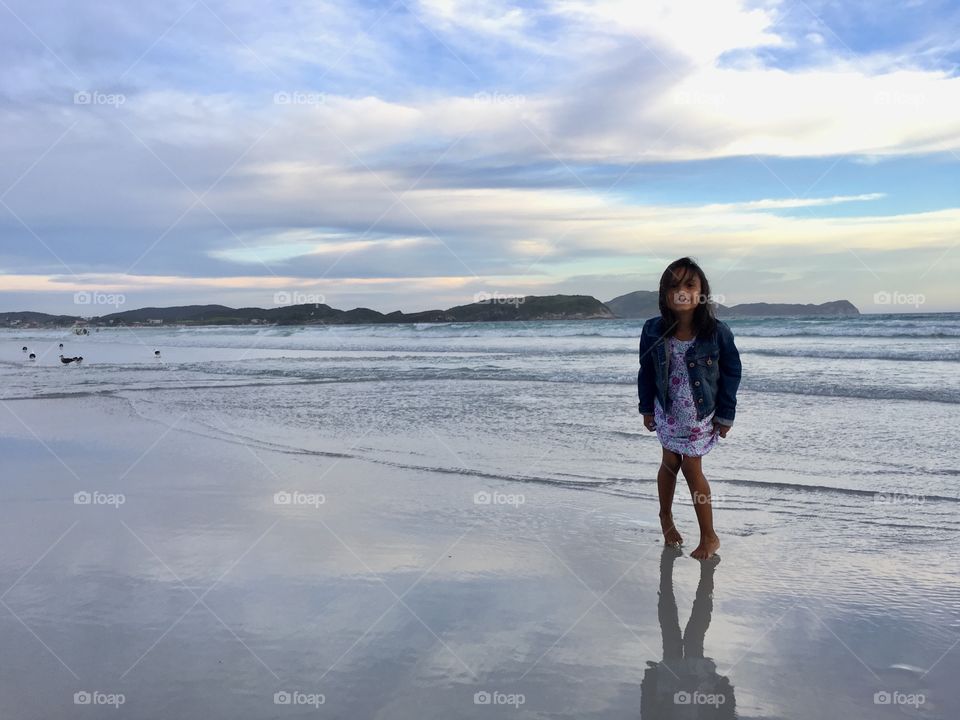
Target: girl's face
[(684, 294)]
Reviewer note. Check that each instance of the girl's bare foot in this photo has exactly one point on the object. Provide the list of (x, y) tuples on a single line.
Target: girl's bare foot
[(671, 536), (709, 544)]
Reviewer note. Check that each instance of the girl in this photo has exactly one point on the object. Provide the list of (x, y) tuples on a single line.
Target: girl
[(687, 385)]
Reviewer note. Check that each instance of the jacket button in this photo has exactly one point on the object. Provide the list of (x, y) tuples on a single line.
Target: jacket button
[(696, 383), (692, 364), (700, 400), (709, 361)]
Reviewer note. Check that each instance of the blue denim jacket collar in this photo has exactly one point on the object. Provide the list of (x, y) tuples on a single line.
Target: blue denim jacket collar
[(699, 347), (712, 390)]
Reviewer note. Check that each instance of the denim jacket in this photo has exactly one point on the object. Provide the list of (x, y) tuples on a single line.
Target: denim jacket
[(713, 366)]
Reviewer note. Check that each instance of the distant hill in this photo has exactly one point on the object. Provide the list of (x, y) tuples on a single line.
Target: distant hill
[(532, 307), (641, 304), (193, 313), (645, 304), (638, 304), (18, 318), (827, 309), (495, 308)]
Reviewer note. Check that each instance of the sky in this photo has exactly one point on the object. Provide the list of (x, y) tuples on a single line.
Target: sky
[(412, 154)]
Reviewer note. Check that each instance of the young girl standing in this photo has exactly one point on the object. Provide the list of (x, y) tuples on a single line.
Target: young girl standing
[(687, 385)]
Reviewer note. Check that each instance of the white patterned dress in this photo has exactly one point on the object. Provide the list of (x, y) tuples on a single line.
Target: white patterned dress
[(679, 430)]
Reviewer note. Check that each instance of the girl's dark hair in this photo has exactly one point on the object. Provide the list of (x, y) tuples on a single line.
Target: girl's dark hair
[(704, 317)]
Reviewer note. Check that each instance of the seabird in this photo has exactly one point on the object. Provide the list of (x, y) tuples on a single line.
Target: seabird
[(33, 356), (67, 361), (156, 353), (24, 348)]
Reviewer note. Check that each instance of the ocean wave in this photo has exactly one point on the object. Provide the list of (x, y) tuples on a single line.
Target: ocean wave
[(613, 485), (910, 354), (581, 336), (866, 332), (144, 377)]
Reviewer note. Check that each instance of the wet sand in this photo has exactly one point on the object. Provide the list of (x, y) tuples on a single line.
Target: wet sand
[(203, 578)]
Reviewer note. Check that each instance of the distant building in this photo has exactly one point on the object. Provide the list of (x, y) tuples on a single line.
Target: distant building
[(154, 322)]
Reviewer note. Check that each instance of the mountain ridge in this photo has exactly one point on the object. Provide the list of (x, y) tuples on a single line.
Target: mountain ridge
[(493, 309), (636, 305), (645, 304)]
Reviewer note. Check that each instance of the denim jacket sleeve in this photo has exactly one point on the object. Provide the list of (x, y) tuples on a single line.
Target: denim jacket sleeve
[(729, 381), (646, 377)]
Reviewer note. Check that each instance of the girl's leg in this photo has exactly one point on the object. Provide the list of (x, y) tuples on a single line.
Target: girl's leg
[(700, 494), (666, 485)]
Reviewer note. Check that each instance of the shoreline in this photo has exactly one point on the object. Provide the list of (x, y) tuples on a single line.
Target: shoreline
[(553, 598)]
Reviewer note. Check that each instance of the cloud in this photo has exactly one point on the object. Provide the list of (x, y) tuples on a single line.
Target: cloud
[(443, 138), (782, 204), (290, 244), (698, 31)]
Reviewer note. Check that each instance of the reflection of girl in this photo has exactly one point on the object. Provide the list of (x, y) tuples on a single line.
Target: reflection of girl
[(685, 684)]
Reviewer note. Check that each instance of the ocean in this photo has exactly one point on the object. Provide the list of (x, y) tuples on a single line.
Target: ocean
[(839, 422)]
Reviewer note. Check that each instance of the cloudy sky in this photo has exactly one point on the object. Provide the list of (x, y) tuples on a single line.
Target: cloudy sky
[(410, 154)]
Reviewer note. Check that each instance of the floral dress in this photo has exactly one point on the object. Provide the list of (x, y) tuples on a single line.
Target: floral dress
[(679, 430)]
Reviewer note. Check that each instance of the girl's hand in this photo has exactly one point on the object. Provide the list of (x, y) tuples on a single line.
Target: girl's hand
[(720, 428), (648, 423)]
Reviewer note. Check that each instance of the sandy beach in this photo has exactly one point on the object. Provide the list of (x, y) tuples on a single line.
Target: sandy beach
[(198, 577), (350, 352)]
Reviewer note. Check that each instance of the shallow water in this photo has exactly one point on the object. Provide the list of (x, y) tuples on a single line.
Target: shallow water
[(845, 422)]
